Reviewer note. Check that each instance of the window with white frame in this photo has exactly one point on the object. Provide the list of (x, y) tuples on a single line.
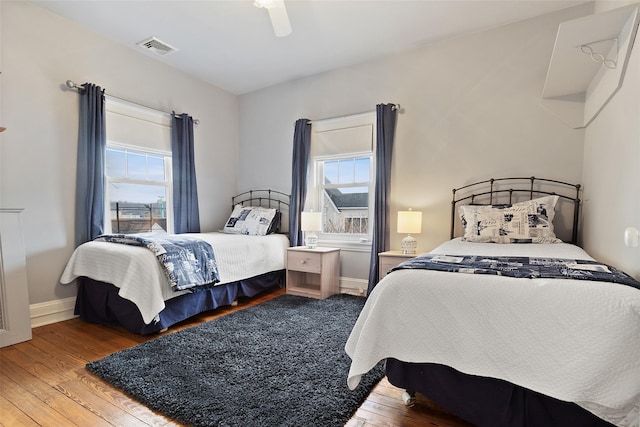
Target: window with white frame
[(341, 183), (138, 196)]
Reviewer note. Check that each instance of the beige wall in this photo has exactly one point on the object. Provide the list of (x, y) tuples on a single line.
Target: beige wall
[(40, 51), (471, 110), (611, 171)]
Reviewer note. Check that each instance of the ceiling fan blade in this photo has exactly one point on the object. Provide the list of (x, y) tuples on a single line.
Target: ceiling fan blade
[(279, 18)]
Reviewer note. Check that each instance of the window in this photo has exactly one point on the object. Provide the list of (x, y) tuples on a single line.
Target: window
[(138, 197), (342, 187), (138, 190)]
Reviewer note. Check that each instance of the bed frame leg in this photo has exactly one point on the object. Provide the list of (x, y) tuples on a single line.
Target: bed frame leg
[(409, 398)]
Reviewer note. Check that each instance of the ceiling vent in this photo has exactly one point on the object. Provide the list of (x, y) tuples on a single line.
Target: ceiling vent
[(156, 46)]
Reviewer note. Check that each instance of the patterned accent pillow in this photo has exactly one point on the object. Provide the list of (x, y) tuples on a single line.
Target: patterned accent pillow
[(250, 220), (524, 222)]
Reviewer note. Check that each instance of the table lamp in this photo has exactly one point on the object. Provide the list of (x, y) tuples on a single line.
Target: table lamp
[(409, 222), (311, 222)]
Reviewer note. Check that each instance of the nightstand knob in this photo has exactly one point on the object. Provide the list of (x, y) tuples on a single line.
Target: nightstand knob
[(303, 261)]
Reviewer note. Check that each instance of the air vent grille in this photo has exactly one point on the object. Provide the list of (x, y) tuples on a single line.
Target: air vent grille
[(156, 46)]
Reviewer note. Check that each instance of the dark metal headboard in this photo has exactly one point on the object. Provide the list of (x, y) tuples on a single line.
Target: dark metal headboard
[(266, 199), (512, 190)]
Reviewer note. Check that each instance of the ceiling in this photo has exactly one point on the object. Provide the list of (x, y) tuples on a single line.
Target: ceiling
[(231, 44)]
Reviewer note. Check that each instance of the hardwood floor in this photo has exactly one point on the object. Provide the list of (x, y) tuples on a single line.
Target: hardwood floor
[(43, 382)]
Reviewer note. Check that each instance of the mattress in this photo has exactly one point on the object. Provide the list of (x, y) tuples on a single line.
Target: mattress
[(137, 273), (574, 340)]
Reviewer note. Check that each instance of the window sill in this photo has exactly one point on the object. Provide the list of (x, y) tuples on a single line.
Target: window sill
[(353, 246)]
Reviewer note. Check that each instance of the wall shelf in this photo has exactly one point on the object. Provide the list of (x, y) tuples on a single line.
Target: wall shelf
[(588, 64)]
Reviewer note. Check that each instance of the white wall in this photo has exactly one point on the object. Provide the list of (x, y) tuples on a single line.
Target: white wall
[(611, 171), (471, 111), (40, 51)]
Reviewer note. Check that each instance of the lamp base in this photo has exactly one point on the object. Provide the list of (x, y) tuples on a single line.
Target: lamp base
[(311, 239), (409, 245)]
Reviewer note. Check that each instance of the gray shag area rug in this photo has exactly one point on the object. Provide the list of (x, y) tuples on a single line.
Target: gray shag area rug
[(279, 363)]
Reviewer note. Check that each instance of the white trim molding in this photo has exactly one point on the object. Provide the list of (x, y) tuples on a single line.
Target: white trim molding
[(349, 285), (45, 313)]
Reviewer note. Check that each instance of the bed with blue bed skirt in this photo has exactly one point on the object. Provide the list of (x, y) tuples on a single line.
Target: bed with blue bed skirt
[(99, 302), (126, 285)]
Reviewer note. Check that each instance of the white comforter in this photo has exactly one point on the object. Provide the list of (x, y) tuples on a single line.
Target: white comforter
[(574, 340), (136, 271)]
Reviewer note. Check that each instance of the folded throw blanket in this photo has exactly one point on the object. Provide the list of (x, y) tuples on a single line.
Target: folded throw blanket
[(187, 262), (554, 268)]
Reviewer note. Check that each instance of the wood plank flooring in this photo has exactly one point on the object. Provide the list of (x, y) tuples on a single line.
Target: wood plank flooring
[(43, 382)]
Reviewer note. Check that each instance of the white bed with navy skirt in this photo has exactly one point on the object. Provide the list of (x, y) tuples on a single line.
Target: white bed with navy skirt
[(122, 284), (508, 347)]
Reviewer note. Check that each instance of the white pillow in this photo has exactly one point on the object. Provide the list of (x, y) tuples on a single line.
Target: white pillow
[(250, 220), (524, 222)]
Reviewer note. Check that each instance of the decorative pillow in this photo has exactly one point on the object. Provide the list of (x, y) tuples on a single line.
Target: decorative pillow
[(524, 222), (250, 220), (274, 227)]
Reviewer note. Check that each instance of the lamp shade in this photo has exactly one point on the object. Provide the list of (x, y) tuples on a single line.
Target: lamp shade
[(311, 221), (409, 222)]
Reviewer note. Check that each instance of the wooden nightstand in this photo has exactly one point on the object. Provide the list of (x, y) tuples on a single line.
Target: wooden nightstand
[(389, 259), (313, 272)]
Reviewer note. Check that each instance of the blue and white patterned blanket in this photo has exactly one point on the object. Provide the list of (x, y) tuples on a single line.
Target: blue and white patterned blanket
[(525, 267), (187, 262)]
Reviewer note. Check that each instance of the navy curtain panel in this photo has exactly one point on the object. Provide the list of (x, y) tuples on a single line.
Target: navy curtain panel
[(301, 153), (386, 116), (186, 215), (90, 176)]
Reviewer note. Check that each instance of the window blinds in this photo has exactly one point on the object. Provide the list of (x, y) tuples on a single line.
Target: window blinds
[(345, 141), (133, 125)]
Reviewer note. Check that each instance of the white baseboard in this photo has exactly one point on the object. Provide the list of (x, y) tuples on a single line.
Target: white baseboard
[(349, 285), (45, 313)]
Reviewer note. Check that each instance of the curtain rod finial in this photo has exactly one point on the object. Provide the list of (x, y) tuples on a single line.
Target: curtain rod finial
[(398, 108), (72, 85)]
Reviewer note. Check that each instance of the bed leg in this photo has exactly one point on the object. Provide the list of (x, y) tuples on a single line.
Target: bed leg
[(409, 398), (234, 303)]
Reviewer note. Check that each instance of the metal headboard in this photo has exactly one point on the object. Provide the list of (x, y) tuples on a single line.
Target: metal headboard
[(511, 190), (264, 198)]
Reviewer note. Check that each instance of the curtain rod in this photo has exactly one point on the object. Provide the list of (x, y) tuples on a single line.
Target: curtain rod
[(311, 122), (71, 85)]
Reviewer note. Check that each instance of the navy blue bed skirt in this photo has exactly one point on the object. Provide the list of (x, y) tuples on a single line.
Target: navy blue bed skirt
[(487, 402), (99, 302)]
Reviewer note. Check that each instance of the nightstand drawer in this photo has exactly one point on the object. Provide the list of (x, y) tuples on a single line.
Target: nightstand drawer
[(304, 261), (387, 264), (389, 259)]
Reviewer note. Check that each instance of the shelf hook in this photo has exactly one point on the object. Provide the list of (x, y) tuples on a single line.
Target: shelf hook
[(587, 49)]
